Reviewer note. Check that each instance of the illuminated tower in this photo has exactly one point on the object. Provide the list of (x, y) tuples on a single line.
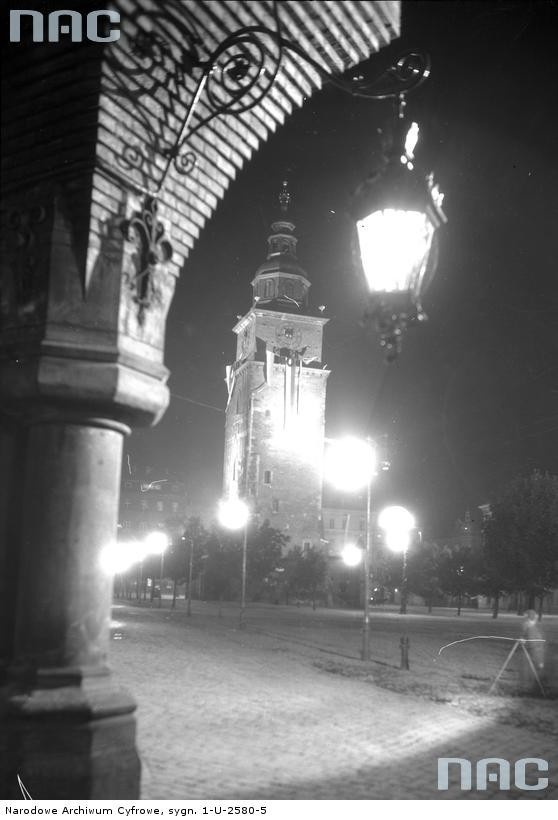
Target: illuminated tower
[(274, 430)]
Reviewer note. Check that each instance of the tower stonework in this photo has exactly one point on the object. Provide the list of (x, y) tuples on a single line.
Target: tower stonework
[(275, 417)]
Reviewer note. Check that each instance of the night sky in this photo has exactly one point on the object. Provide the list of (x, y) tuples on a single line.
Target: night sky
[(473, 399)]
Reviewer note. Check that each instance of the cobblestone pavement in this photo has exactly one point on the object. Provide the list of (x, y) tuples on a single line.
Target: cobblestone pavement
[(227, 713)]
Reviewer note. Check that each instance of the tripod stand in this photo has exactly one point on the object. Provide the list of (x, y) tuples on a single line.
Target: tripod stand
[(520, 643)]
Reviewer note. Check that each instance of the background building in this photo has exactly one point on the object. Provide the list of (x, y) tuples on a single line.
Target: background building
[(275, 416), (148, 503)]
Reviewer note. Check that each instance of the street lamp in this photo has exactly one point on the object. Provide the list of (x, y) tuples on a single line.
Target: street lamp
[(235, 514), (350, 464), (156, 543), (351, 555), (398, 523), (118, 556), (398, 211)]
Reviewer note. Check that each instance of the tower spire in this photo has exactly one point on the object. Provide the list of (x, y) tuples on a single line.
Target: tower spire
[(281, 282), (284, 197)]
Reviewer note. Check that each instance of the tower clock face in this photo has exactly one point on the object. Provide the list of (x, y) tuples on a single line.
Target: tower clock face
[(288, 336)]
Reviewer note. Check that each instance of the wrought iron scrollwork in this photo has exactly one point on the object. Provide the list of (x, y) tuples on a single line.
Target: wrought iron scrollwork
[(390, 321), (235, 78), (165, 62), (147, 233)]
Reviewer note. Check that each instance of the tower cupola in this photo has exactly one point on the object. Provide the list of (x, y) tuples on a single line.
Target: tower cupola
[(280, 282)]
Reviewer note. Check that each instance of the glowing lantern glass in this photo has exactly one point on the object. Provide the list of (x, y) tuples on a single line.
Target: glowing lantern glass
[(397, 213)]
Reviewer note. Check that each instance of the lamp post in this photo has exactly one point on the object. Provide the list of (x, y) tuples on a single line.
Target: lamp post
[(190, 571), (350, 464), (156, 543), (398, 523), (234, 514)]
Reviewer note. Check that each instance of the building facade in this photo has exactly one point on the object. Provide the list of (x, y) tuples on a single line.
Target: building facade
[(275, 416), (148, 503)]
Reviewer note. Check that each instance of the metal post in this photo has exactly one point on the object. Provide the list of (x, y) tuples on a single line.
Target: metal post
[(366, 563), (404, 646), (404, 642), (161, 580), (190, 566), (243, 590), (403, 608)]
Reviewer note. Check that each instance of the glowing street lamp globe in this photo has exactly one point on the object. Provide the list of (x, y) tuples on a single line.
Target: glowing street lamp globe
[(397, 523), (351, 555), (119, 556), (233, 514), (349, 463), (398, 212), (156, 542)]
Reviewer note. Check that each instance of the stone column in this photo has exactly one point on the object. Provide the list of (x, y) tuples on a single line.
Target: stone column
[(80, 363)]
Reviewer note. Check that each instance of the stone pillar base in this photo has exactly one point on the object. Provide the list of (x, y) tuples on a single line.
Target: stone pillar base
[(70, 736)]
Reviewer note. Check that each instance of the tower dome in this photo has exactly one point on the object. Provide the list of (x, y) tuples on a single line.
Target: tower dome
[(280, 283)]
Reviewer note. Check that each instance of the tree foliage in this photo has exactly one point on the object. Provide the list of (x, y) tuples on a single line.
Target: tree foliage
[(521, 537), (177, 558), (424, 572), (223, 570), (306, 572), (264, 555)]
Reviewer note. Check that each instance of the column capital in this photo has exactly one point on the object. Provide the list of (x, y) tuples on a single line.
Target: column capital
[(84, 306)]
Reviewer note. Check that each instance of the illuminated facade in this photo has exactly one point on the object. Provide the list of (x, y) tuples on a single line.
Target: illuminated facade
[(274, 434)]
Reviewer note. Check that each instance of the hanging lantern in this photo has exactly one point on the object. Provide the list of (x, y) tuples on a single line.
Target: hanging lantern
[(398, 212)]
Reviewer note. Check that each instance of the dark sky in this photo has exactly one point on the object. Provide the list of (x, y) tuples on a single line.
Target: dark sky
[(473, 399)]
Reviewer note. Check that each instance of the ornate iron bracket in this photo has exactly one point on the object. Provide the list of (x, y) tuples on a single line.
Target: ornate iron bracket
[(147, 233), (390, 323), (234, 78)]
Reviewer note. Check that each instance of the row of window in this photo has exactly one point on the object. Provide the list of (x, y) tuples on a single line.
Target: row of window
[(268, 289), (155, 486), (343, 523), (141, 525), (159, 506)]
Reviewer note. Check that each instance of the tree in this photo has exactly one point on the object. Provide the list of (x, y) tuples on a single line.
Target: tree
[(306, 572), (458, 571), (223, 566), (423, 572), (521, 537), (188, 546), (264, 554)]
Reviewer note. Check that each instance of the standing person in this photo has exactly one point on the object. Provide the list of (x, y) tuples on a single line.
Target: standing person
[(532, 634)]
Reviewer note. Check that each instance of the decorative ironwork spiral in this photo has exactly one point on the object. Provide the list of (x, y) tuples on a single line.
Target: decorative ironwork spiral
[(132, 157), (185, 162), (242, 70)]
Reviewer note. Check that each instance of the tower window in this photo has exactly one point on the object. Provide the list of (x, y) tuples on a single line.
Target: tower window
[(306, 545), (275, 505), (268, 288), (267, 476), (332, 523), (289, 288)]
